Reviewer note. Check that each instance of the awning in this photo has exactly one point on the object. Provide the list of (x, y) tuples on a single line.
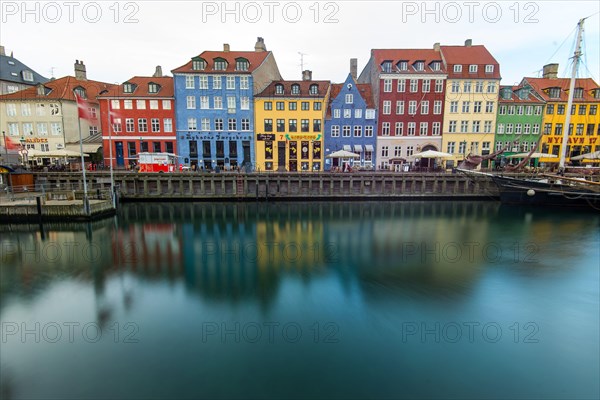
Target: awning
[(369, 147), (347, 147), (357, 148)]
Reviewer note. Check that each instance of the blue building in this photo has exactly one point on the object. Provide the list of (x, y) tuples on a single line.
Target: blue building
[(351, 125), (214, 105)]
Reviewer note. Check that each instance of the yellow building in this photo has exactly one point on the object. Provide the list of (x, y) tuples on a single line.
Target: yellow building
[(289, 123), (471, 101), (584, 127)]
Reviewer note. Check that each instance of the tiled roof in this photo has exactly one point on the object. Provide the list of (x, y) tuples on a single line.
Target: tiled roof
[(269, 91), (12, 69), (363, 88), (411, 56), (470, 55), (61, 89), (541, 84), (255, 58), (514, 98), (142, 88)]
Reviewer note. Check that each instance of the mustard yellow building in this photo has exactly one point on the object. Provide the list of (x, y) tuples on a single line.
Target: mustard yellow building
[(289, 125), (584, 127), (471, 101)]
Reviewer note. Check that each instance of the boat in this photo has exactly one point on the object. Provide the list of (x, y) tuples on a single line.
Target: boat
[(548, 189)]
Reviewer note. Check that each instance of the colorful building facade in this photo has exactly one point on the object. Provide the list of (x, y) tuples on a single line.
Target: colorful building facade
[(584, 129), (142, 119), (351, 125), (471, 101), (289, 125), (409, 90), (519, 120), (214, 106)]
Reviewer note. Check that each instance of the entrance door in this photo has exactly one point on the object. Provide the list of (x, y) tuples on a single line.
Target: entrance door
[(119, 154), (281, 156), (246, 152)]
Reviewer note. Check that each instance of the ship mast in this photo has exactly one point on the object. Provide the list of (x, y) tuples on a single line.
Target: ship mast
[(576, 60)]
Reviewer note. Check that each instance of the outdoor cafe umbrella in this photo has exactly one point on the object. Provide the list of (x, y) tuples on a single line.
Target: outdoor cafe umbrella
[(54, 153), (533, 155), (431, 154), (342, 154), (588, 156)]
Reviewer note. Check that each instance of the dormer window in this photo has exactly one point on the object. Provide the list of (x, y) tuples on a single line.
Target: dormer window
[(597, 94), (489, 69), (578, 93), (241, 64), (436, 65), (506, 93), (153, 87), (28, 76), (279, 88), (79, 91), (554, 93), (198, 64), (523, 94), (314, 89), (295, 89), (402, 65), (419, 65), (128, 87), (472, 69), (10, 62), (220, 64), (386, 66), (458, 68)]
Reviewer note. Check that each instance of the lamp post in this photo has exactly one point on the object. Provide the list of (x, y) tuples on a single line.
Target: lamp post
[(23, 151), (5, 145)]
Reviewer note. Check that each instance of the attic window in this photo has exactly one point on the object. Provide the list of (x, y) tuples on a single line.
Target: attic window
[(28, 76), (220, 64), (314, 89), (198, 64), (472, 68), (458, 68), (386, 66), (578, 93), (241, 64), (402, 65), (279, 88), (419, 65), (597, 94), (11, 62), (14, 74), (435, 66), (554, 93), (506, 93), (523, 94), (295, 89), (128, 88), (79, 91), (153, 87), (489, 69)]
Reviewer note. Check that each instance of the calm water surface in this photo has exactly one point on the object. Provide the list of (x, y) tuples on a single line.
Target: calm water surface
[(291, 300)]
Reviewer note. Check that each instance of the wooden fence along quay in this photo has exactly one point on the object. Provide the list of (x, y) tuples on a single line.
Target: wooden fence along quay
[(58, 196)]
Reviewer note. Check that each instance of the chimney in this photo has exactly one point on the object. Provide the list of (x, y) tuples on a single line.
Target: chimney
[(550, 71), (158, 72), (2, 51), (260, 45), (353, 67), (468, 42), (80, 71), (436, 46), (226, 47), (307, 75)]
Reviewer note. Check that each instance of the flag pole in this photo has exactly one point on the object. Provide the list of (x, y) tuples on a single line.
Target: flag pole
[(86, 203), (110, 145)]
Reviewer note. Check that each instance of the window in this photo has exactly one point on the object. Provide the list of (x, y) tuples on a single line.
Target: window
[(295, 89), (411, 128), (335, 131), (280, 106), (538, 110), (316, 125), (426, 87), (466, 105), (317, 106), (142, 125), (387, 107), (437, 107), (155, 124), (560, 110), (204, 102), (452, 126), (455, 87), (305, 106), (279, 88), (245, 103), (450, 148), (27, 128), (479, 87), (217, 82), (414, 85), (304, 125), (189, 83), (129, 125), (166, 104), (402, 65), (346, 131), (399, 107), (472, 69), (168, 125), (220, 64), (489, 69), (153, 87), (520, 110), (457, 68), (357, 112), (281, 125), (11, 110), (191, 102), (230, 82), (511, 110), (454, 106), (385, 129), (42, 129), (357, 131), (509, 129), (198, 65), (419, 65), (244, 82), (347, 113), (547, 129), (578, 93), (350, 96), (594, 108), (487, 127), (245, 124), (191, 124), (336, 113), (384, 151), (370, 114), (529, 110), (477, 107), (502, 110), (550, 109), (25, 109), (313, 89), (423, 127), (399, 129), (439, 85), (387, 85), (13, 129), (203, 82), (154, 104), (582, 109), (526, 129), (436, 129), (232, 124), (56, 127), (489, 106), (268, 105), (464, 126), (467, 87), (579, 130), (397, 151), (424, 107), (241, 65), (368, 131), (218, 124), (536, 129), (401, 85), (412, 107), (293, 125), (476, 126), (205, 124), (462, 147), (218, 102), (491, 87), (40, 110), (386, 66)]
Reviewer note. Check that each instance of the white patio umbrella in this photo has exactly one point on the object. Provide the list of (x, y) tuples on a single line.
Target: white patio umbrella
[(342, 154), (595, 155), (431, 154), (533, 155)]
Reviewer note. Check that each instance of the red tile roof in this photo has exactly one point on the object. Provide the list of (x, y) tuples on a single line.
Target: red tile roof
[(470, 55), (409, 55), (363, 88), (540, 84), (269, 91), (61, 89), (255, 58), (141, 90)]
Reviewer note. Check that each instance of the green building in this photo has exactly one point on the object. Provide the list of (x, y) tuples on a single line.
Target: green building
[(520, 113)]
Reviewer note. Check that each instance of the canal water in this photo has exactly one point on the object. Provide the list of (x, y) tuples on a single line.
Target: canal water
[(303, 300)]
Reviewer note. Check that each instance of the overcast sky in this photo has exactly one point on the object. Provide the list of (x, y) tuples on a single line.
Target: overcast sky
[(118, 40)]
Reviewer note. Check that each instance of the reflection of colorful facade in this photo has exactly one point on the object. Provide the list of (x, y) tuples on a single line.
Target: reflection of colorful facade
[(519, 118), (289, 125), (584, 129), (351, 124)]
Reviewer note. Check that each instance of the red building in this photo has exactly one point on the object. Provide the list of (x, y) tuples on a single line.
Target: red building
[(142, 119), (409, 87)]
